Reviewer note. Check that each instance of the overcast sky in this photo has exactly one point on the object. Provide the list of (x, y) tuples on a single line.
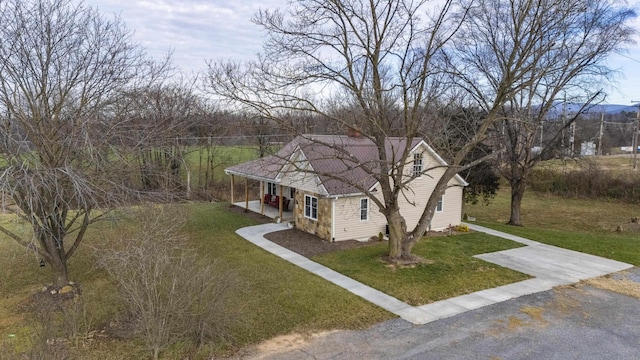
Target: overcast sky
[(222, 29)]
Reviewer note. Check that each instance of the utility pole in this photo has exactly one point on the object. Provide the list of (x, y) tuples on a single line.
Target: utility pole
[(572, 137), (564, 121), (541, 134), (600, 134), (636, 130)]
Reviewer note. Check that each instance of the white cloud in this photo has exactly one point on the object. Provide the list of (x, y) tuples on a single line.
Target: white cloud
[(222, 29), (195, 29)]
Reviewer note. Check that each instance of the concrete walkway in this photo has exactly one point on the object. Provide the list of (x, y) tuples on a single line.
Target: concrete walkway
[(551, 266)]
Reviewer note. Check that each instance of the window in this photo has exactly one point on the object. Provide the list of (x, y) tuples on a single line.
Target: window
[(440, 203), (417, 164), (272, 189), (364, 209), (311, 207)]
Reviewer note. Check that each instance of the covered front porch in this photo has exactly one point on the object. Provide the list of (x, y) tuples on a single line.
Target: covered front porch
[(266, 210), (274, 201)]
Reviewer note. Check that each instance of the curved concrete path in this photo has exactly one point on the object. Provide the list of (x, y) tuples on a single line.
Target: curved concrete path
[(551, 266)]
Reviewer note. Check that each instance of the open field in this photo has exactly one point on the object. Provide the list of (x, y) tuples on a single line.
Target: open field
[(610, 162), (578, 224), (221, 157)]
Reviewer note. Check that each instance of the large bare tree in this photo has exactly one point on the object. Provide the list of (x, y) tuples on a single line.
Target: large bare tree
[(556, 50), (61, 65), (393, 65), (378, 63)]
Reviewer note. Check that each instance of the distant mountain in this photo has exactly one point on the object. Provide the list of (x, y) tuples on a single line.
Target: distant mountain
[(572, 108), (612, 108)]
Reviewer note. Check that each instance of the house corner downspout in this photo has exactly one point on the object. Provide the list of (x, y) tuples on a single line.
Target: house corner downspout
[(333, 219)]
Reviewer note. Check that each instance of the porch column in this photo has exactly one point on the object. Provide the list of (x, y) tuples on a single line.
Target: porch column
[(232, 187), (262, 197), (280, 202), (246, 194)]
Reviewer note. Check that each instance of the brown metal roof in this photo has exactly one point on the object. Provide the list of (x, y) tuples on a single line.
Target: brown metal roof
[(343, 163)]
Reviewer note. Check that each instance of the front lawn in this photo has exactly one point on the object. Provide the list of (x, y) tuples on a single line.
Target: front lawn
[(452, 270)]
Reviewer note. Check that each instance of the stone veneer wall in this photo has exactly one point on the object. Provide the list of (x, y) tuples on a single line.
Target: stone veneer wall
[(321, 227)]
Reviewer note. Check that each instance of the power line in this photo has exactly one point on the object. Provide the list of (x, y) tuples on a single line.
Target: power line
[(630, 58)]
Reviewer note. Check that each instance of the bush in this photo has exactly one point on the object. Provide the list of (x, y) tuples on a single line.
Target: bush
[(587, 182), (170, 295)]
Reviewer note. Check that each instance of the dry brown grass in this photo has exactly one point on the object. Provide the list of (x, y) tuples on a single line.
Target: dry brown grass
[(619, 285), (535, 313), (553, 212)]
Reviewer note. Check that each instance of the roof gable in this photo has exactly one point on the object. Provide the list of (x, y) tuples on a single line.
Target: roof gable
[(343, 164)]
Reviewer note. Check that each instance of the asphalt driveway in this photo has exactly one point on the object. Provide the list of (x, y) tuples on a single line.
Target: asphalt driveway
[(570, 322)]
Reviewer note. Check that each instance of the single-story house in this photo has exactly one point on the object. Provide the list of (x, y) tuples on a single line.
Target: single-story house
[(312, 182)]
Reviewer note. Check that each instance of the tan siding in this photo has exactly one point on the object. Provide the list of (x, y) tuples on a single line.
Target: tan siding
[(451, 210), (347, 220), (420, 190)]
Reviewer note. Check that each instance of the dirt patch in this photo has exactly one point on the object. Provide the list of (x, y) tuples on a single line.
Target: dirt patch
[(283, 343), (309, 245), (534, 317), (535, 313), (621, 285)]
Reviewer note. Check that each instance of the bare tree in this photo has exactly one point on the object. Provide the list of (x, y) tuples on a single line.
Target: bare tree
[(61, 65), (159, 121), (548, 50), (379, 64), (169, 295)]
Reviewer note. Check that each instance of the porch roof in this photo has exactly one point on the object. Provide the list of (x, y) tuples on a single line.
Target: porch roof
[(263, 169)]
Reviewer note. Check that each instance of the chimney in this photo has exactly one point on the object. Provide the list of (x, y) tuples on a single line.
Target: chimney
[(353, 131)]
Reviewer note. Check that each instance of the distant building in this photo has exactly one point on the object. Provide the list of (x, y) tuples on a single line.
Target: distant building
[(588, 148), (628, 149)]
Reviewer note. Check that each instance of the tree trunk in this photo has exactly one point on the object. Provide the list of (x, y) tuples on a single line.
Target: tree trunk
[(56, 258), (517, 193), (397, 236), (59, 270)]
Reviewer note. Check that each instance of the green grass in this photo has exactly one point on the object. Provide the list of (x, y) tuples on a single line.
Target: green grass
[(276, 297), (577, 224), (223, 157), (280, 297), (454, 270)]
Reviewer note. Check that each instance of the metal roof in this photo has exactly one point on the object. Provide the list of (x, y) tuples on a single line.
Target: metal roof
[(344, 164)]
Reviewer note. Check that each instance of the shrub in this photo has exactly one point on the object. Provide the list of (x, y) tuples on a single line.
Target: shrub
[(169, 294)]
